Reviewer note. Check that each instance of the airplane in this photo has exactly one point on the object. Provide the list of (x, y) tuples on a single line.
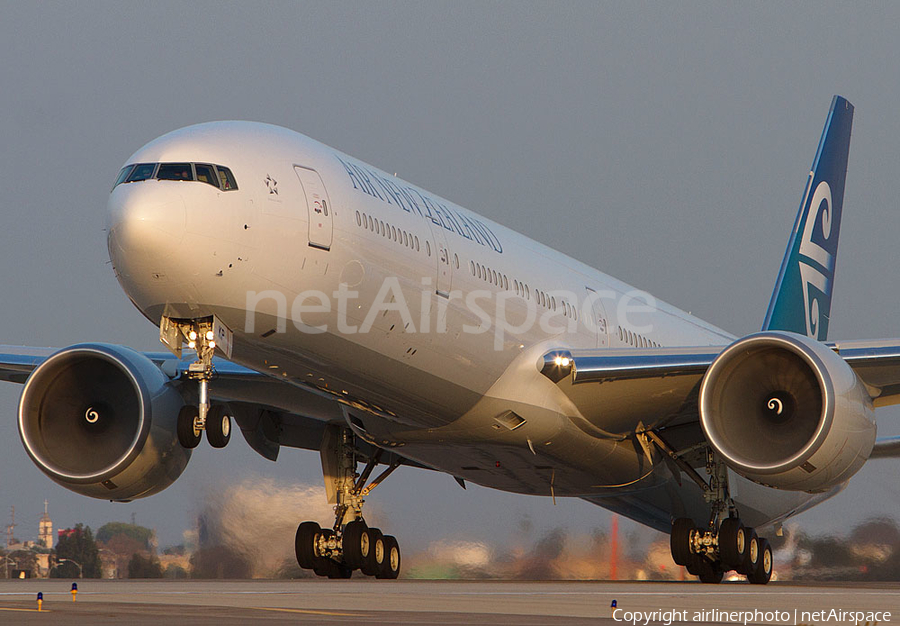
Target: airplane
[(320, 303)]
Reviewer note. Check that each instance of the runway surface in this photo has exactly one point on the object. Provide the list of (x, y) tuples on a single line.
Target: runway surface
[(431, 603)]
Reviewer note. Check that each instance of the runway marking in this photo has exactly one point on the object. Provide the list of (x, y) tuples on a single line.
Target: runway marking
[(3, 608), (308, 612)]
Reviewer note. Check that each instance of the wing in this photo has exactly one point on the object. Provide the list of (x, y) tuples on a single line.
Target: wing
[(623, 391), (269, 412)]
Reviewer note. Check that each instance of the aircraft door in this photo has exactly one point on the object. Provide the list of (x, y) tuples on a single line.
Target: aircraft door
[(318, 208), (598, 323), (444, 260)]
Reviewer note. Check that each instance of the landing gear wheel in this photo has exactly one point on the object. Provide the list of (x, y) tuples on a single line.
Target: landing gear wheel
[(304, 544), (334, 570), (763, 571), (752, 558), (373, 563), (680, 541), (356, 544), (709, 573), (218, 426), (693, 567), (390, 567), (189, 434), (732, 543), (323, 565)]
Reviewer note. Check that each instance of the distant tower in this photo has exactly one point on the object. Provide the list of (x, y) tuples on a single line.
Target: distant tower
[(10, 527), (45, 529)]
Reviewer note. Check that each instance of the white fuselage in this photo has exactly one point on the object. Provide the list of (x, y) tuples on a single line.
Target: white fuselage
[(338, 277)]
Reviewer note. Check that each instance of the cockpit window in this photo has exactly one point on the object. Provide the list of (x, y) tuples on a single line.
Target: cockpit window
[(216, 175), (175, 171), (226, 179), (123, 174), (141, 171), (206, 174)]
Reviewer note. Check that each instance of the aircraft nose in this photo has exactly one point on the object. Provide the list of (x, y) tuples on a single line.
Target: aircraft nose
[(146, 222)]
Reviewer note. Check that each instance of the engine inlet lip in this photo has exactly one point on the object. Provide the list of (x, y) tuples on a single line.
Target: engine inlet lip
[(134, 447), (802, 347)]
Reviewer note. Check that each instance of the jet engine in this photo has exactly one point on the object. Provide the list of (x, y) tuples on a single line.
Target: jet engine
[(787, 412), (101, 420)]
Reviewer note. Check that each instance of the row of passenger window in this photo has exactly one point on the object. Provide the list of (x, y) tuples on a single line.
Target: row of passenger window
[(486, 274), (636, 340), (393, 233), (521, 289), (215, 175)]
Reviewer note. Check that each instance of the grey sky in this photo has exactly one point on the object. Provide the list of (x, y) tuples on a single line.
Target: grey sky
[(665, 144)]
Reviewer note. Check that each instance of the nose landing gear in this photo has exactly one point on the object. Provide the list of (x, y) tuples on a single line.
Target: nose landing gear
[(200, 336), (351, 544)]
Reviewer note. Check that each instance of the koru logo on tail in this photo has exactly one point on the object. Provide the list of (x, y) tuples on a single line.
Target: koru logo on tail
[(810, 274)]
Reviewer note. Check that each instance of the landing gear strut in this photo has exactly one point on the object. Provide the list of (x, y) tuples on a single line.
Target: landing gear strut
[(350, 544), (725, 543), (193, 420)]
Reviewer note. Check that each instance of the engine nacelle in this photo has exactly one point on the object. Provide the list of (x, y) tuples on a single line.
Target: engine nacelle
[(101, 420), (788, 412)]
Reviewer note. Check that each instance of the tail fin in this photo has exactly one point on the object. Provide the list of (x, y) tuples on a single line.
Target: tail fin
[(801, 302)]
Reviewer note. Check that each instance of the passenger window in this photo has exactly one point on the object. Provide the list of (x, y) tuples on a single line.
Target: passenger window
[(456, 260), (123, 174), (226, 178), (141, 171), (428, 247), (206, 174), (417, 243), (175, 171)]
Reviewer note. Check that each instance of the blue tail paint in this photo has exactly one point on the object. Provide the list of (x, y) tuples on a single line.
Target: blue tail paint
[(801, 302)]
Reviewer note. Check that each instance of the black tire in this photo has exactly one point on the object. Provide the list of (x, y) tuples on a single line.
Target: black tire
[(304, 544), (708, 572), (372, 564), (680, 541), (188, 436), (218, 426), (763, 571), (693, 567), (732, 543), (752, 557), (355, 543), (333, 570), (390, 566)]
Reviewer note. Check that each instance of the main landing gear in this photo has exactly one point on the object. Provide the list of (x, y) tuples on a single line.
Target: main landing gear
[(350, 544), (708, 554), (193, 420), (725, 543)]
